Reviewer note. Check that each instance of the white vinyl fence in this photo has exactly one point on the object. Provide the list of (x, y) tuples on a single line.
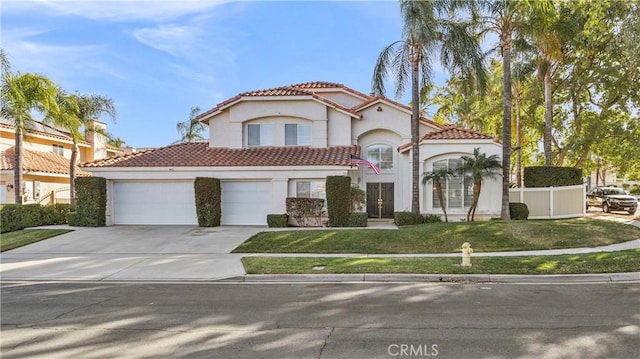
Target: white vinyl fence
[(552, 202)]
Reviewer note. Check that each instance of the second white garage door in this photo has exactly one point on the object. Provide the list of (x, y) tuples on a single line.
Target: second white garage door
[(245, 203), (154, 202)]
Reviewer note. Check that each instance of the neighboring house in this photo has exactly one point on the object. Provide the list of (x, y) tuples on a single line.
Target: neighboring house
[(283, 142), (46, 156)]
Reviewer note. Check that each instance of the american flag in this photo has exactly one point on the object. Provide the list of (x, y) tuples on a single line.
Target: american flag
[(355, 160)]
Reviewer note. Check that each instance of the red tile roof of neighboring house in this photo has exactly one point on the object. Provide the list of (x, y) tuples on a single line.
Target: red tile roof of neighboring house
[(36, 161), (450, 132), (199, 154)]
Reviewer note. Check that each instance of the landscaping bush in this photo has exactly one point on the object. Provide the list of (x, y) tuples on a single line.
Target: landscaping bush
[(72, 218), (432, 218), (518, 211), (208, 201), (407, 218), (635, 189), (338, 200), (277, 220), (358, 198), (306, 211), (19, 216), (91, 201), (548, 176), (357, 219)]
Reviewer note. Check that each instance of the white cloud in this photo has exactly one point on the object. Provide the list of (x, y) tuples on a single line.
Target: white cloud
[(173, 39), (114, 10)]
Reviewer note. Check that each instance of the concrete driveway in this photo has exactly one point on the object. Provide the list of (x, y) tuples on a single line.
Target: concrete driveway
[(142, 253)]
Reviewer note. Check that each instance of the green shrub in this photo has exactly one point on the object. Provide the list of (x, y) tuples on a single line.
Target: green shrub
[(338, 200), (635, 189), (357, 219), (432, 218), (72, 218), (306, 211), (548, 176), (208, 201), (91, 201), (358, 198), (19, 216), (277, 220), (518, 211), (407, 218)]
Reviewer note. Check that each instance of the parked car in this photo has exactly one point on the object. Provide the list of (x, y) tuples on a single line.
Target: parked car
[(612, 199)]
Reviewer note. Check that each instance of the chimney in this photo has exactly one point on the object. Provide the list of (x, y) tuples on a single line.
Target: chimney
[(97, 139)]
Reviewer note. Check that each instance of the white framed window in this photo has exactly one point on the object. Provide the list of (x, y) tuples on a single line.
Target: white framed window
[(381, 155), (58, 149), (260, 135), (311, 189), (457, 191), (297, 134)]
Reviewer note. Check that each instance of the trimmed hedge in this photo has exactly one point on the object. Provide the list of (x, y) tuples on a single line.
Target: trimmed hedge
[(91, 202), (548, 176), (432, 218), (208, 201), (357, 219), (277, 220), (407, 218), (15, 217), (518, 211), (338, 200), (306, 211)]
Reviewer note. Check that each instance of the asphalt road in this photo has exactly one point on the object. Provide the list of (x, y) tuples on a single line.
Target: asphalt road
[(230, 320)]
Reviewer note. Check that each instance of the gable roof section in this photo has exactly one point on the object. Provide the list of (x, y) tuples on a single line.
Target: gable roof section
[(301, 90), (199, 154), (36, 161), (451, 132), (323, 85), (382, 99)]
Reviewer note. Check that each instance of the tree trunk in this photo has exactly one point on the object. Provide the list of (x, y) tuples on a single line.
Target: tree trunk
[(441, 199), (17, 166), (415, 137), (72, 173), (518, 142), (548, 117), (477, 186), (505, 42)]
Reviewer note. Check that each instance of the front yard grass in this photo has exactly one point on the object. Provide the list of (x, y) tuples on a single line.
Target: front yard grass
[(11, 240), (486, 236), (607, 262)]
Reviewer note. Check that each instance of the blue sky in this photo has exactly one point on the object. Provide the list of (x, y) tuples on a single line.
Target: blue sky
[(157, 59)]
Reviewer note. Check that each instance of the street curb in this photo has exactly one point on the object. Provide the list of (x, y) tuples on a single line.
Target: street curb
[(442, 278)]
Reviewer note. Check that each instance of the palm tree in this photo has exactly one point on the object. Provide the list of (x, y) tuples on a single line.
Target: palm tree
[(20, 95), (190, 131), (426, 28), (480, 167), (439, 175)]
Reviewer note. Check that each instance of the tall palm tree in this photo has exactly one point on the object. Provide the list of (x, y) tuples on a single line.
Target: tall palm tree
[(191, 130), (20, 95), (427, 28), (439, 175), (480, 167)]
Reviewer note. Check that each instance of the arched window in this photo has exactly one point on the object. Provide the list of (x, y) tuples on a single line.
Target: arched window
[(457, 191), (381, 155)]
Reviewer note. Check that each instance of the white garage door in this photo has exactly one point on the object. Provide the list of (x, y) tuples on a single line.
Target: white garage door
[(245, 203), (154, 203)]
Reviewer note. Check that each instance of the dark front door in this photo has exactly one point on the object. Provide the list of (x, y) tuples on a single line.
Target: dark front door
[(380, 200)]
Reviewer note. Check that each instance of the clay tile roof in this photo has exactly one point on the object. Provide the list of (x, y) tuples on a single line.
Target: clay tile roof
[(451, 132), (329, 85), (199, 154), (36, 161)]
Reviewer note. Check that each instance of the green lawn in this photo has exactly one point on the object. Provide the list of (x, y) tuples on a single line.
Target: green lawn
[(11, 240), (486, 236), (610, 262)]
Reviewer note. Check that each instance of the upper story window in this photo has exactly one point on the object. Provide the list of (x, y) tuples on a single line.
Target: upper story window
[(381, 156), (260, 135), (297, 135), (58, 149)]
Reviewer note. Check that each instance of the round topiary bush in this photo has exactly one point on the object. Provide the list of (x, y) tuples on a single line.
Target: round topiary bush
[(518, 210)]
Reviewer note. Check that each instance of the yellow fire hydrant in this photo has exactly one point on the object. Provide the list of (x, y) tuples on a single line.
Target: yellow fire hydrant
[(466, 254)]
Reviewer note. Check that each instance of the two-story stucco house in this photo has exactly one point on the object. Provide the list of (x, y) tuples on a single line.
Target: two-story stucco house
[(283, 142), (46, 155)]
